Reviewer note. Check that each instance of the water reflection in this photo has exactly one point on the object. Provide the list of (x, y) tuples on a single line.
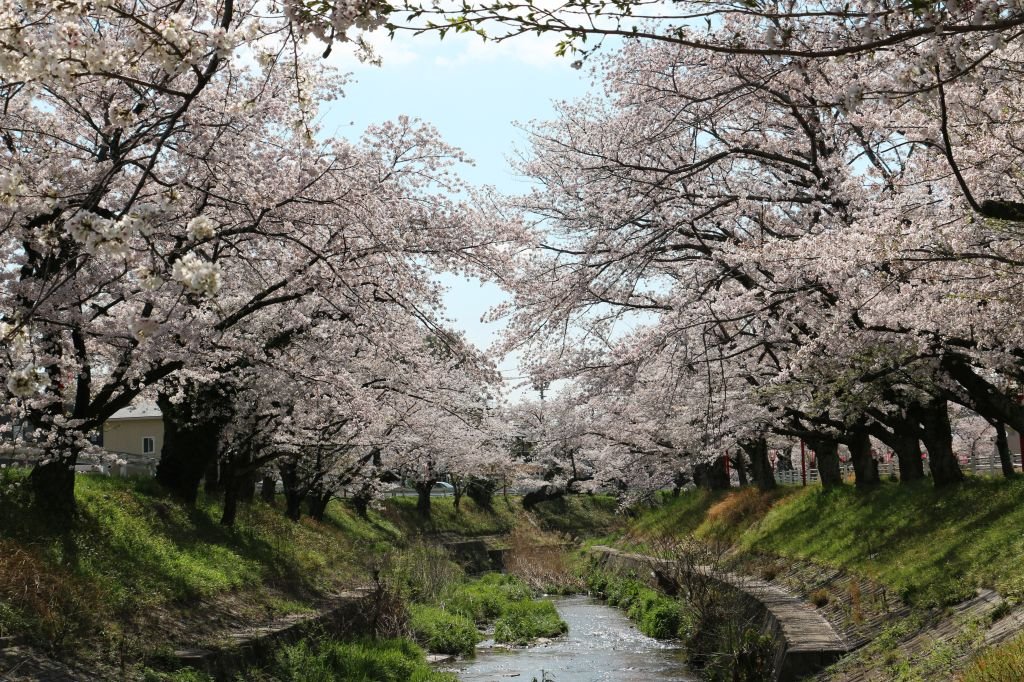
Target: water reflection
[(601, 645)]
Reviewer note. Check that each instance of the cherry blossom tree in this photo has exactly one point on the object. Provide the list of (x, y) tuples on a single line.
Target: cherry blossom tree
[(170, 211), (810, 259)]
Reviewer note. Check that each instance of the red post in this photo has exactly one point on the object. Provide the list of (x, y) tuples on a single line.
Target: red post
[(803, 463)]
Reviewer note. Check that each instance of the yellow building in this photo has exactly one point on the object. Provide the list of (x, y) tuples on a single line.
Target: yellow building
[(136, 434)]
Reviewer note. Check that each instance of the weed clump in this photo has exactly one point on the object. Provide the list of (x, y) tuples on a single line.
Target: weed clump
[(527, 620), (442, 631), (382, 660)]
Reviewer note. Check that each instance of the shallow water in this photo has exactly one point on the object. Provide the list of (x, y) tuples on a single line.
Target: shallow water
[(602, 645)]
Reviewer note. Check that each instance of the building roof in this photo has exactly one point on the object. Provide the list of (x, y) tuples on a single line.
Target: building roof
[(140, 411)]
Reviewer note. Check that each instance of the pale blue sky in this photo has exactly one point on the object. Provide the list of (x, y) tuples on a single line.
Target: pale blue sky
[(473, 92)]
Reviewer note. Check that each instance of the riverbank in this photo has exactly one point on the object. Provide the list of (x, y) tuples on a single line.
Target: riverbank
[(925, 584), (138, 576)]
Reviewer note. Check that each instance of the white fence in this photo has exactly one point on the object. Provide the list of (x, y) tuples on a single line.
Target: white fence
[(981, 465)]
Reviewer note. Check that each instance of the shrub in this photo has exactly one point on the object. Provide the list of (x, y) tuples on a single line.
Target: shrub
[(527, 620), (819, 598), (663, 619), (443, 632), (481, 491), (748, 660), (423, 573), (509, 585)]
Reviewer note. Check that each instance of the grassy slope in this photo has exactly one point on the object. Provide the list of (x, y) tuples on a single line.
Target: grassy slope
[(579, 514), (135, 562), (133, 553), (932, 546)]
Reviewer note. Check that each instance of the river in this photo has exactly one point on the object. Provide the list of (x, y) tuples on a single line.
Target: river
[(602, 645)]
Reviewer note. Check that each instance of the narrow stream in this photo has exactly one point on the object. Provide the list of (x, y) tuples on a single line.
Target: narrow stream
[(601, 645)]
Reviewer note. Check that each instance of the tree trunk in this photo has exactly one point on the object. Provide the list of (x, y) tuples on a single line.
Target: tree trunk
[(902, 437), (247, 484), (293, 505), (481, 491), (712, 476), (760, 465), (361, 503), (52, 486), (190, 445), (268, 489), (423, 489), (318, 504), (211, 479), (938, 439), (231, 489), (293, 494), (826, 451), (679, 479), (740, 464), (907, 446), (865, 468), (1003, 447)]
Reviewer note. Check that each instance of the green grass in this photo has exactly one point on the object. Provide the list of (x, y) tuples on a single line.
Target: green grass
[(487, 598), (469, 520), (655, 614), (1004, 663), (933, 546), (132, 552), (449, 624), (135, 560), (676, 515), (390, 660), (930, 546), (584, 515), (524, 621), (442, 631)]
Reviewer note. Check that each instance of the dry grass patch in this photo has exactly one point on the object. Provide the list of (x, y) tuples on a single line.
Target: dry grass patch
[(41, 600), (542, 561), (734, 513)]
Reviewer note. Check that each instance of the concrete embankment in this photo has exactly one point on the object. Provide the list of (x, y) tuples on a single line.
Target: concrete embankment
[(805, 642)]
